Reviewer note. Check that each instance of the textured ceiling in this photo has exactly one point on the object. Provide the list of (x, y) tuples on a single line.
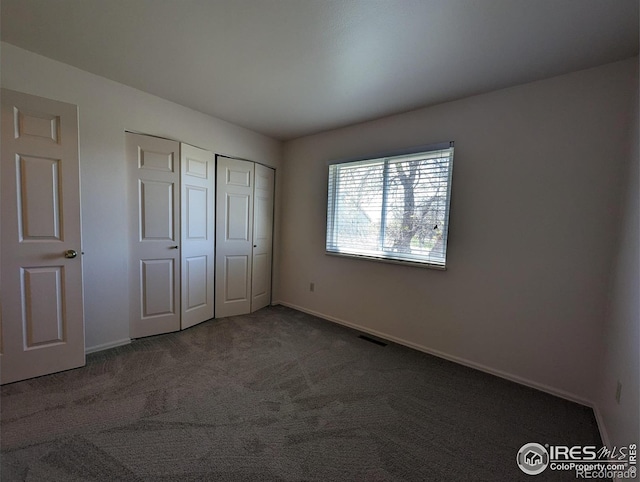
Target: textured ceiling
[(288, 68)]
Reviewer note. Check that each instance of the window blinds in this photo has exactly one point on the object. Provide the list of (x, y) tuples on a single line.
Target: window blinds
[(392, 208)]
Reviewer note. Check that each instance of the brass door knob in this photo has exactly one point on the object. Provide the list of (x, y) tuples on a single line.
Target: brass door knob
[(70, 253)]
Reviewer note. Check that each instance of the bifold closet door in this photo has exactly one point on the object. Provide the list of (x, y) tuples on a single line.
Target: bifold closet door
[(198, 198), (234, 236), (262, 237), (154, 176)]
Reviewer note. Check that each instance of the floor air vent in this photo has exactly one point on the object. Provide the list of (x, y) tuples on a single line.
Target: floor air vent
[(373, 340)]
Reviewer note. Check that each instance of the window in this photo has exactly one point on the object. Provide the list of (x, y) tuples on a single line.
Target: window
[(392, 208)]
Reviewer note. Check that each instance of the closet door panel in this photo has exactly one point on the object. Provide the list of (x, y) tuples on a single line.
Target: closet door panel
[(154, 177), (262, 237), (198, 227), (234, 227)]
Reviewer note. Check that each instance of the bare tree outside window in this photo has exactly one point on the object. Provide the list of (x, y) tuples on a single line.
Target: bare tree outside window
[(417, 205), (395, 208)]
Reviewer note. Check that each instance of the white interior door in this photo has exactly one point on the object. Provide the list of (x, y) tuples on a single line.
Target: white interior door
[(154, 175), (262, 237), (198, 190), (234, 236), (42, 311)]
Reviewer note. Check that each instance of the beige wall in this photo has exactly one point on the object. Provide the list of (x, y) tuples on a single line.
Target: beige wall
[(106, 110), (536, 181), (621, 340)]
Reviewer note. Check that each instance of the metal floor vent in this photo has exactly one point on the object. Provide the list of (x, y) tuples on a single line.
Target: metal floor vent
[(372, 340)]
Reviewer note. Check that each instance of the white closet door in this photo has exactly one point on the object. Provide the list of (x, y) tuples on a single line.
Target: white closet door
[(198, 189), (154, 176), (262, 237), (42, 311), (234, 236)]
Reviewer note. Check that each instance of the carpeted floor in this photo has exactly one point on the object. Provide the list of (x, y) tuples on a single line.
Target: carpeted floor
[(277, 395)]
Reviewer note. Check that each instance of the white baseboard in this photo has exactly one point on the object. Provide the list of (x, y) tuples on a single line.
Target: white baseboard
[(604, 435), (461, 361), (106, 346)]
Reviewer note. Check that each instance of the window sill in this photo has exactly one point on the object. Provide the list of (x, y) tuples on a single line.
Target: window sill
[(415, 264)]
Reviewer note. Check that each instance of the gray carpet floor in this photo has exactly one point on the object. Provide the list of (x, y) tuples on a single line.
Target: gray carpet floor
[(277, 396)]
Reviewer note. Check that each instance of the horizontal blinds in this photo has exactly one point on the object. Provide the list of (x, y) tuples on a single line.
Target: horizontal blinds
[(392, 208)]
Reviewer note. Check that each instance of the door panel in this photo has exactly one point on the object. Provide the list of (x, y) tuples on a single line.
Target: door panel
[(238, 217), (196, 213), (36, 124), (42, 309), (234, 225), (236, 281), (237, 174), (38, 198), (158, 287), (155, 186), (156, 161), (260, 283), (198, 242), (42, 303), (156, 210), (262, 237), (197, 283)]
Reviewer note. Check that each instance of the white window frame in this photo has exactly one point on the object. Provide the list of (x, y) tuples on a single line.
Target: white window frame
[(381, 254)]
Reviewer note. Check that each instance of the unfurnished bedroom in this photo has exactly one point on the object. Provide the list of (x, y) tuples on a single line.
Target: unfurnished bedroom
[(319, 240)]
